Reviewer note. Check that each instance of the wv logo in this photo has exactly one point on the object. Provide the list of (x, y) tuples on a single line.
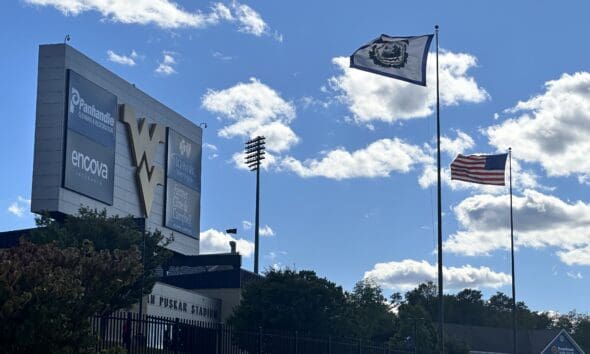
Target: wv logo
[(185, 148), (144, 142)]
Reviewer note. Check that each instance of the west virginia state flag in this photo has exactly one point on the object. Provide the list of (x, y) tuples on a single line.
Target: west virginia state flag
[(403, 58)]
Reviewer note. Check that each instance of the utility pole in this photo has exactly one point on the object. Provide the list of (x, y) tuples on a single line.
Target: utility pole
[(254, 155)]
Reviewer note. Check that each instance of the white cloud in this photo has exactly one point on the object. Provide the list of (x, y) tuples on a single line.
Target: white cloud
[(266, 231), (575, 256), (456, 146), (122, 59), (250, 20), (19, 207), (407, 274), (166, 14), (540, 221), (166, 66), (378, 159), (212, 150), (553, 128), (221, 56), (254, 109), (213, 241), (263, 231), (373, 97), (575, 275)]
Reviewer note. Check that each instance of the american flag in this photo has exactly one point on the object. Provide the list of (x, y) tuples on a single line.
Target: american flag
[(482, 169)]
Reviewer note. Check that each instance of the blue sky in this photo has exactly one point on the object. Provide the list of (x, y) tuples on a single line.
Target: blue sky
[(349, 188)]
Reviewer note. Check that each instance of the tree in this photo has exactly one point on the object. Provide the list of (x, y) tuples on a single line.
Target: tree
[(74, 269), (112, 234), (47, 294), (293, 301), (582, 332), (370, 314)]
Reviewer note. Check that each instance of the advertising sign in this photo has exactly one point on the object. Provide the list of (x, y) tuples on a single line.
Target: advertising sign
[(90, 139), (182, 208), (562, 344), (184, 160), (89, 168), (183, 184), (91, 110)]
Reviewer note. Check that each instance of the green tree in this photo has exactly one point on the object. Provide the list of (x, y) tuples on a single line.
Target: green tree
[(582, 332), (47, 294), (293, 301), (113, 234), (370, 314), (414, 329)]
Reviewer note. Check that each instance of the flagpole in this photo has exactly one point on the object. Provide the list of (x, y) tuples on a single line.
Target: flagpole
[(440, 259), (514, 339)]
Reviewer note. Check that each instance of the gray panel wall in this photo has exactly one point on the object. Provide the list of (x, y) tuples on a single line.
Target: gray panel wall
[(47, 192)]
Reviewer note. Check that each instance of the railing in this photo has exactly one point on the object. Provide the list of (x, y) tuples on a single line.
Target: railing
[(151, 334)]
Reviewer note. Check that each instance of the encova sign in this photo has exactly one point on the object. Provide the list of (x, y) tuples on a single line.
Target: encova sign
[(90, 139)]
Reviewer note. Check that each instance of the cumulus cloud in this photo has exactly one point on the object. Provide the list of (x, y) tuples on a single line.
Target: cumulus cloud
[(378, 159), (254, 109), (166, 66), (373, 97), (250, 20), (540, 221), (122, 59), (166, 14), (552, 128), (407, 274), (213, 241), (246, 225), (19, 207)]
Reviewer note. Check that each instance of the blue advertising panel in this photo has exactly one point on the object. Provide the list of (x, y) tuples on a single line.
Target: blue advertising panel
[(89, 168), (184, 160), (89, 159), (562, 344), (91, 110), (182, 208), (183, 184)]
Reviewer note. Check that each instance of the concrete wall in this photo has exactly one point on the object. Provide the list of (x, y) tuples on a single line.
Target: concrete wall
[(230, 299), (47, 191)]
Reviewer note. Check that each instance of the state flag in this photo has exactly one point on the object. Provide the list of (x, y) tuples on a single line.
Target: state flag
[(403, 58)]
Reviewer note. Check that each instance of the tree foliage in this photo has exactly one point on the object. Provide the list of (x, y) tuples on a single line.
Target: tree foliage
[(48, 293), (303, 302), (293, 301), (86, 265), (108, 233)]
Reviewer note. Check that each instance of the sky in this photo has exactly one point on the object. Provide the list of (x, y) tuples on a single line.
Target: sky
[(348, 188)]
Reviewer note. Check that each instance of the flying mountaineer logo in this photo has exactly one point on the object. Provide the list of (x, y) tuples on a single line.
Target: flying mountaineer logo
[(391, 54), (144, 140)]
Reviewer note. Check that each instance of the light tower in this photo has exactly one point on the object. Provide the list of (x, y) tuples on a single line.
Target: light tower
[(254, 155)]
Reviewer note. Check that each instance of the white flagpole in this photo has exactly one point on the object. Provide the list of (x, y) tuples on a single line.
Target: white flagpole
[(514, 338), (440, 259)]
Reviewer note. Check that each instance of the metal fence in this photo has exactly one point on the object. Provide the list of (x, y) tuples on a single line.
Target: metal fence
[(150, 334)]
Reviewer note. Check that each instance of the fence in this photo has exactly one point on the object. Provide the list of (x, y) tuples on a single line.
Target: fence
[(151, 334)]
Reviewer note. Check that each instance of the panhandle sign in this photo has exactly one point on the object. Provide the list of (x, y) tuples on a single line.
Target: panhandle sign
[(90, 139)]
